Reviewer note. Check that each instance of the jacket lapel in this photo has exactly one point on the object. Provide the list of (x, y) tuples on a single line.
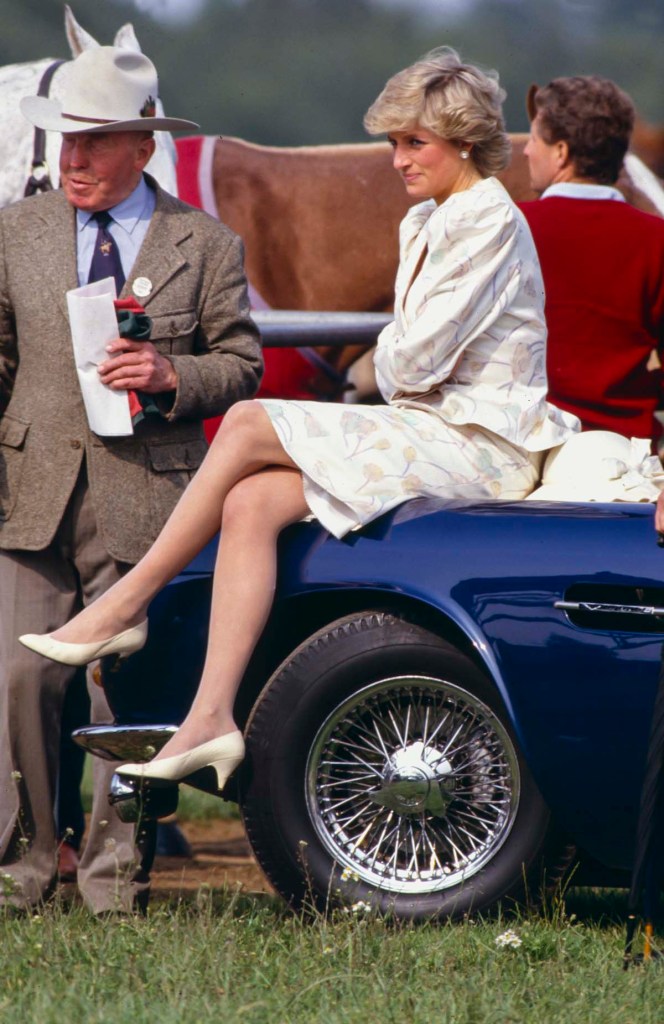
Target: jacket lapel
[(54, 237), (411, 268), (160, 256)]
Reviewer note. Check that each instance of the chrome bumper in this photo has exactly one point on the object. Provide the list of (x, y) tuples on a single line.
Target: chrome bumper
[(132, 801), (133, 743)]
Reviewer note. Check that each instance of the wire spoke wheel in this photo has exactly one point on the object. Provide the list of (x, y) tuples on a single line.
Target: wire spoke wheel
[(382, 768), (412, 784)]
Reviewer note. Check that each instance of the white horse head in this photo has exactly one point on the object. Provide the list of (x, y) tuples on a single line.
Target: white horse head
[(18, 80), (646, 181)]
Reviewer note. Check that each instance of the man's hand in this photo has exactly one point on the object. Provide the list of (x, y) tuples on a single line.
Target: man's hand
[(137, 366)]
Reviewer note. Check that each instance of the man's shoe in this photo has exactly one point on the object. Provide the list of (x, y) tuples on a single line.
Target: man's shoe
[(67, 863)]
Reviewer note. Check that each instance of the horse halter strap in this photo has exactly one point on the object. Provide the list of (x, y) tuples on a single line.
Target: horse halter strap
[(40, 179)]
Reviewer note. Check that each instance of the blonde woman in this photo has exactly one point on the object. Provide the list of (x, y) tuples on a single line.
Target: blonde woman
[(461, 370)]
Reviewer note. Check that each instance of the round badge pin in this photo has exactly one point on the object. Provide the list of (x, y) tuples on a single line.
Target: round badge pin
[(142, 286)]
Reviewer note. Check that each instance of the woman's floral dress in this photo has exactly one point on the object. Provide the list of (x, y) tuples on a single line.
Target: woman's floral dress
[(461, 368)]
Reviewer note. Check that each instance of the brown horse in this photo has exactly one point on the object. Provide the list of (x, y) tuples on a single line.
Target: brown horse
[(320, 223)]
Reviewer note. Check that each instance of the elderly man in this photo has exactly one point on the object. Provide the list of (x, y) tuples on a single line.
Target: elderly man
[(77, 508), (602, 260)]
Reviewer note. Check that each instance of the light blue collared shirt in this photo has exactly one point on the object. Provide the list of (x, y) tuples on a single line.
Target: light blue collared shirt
[(131, 219), (579, 190)]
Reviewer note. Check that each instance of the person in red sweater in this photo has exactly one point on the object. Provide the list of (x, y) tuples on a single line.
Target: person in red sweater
[(602, 260)]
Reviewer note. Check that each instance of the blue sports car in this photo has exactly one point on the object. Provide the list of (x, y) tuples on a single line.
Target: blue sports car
[(446, 709)]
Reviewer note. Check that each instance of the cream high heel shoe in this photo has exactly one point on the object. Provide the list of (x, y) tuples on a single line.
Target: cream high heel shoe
[(125, 643), (223, 754)]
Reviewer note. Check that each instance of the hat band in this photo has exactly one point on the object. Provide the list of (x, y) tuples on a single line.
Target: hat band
[(91, 120)]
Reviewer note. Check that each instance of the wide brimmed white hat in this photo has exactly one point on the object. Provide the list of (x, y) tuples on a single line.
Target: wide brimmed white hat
[(105, 89), (598, 465)]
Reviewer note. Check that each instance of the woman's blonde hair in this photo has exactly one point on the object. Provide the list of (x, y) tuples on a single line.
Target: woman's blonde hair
[(457, 101)]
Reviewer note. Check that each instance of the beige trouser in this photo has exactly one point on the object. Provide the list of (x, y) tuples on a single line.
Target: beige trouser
[(38, 592)]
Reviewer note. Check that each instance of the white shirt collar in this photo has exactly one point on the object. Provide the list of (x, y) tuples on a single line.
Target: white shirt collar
[(578, 190), (139, 203)]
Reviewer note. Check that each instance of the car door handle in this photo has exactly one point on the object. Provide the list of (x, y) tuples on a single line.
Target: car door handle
[(610, 609)]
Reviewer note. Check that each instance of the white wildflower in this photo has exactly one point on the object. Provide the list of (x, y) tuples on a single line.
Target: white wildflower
[(348, 874), (8, 884), (360, 907), (508, 939), (109, 844), (16, 776)]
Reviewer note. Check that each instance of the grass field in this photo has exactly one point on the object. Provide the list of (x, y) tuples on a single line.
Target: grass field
[(222, 956), (228, 957)]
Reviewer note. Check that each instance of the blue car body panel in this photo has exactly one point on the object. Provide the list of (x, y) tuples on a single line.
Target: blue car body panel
[(579, 691)]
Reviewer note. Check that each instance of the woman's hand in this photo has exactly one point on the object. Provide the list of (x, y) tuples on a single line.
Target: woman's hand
[(659, 513)]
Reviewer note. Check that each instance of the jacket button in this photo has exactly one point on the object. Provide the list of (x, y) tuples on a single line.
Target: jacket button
[(74, 444)]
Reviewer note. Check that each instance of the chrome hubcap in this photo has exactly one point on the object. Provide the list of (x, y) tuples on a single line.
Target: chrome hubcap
[(414, 781), (412, 784)]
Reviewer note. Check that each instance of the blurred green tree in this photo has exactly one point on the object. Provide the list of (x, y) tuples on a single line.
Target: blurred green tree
[(297, 72)]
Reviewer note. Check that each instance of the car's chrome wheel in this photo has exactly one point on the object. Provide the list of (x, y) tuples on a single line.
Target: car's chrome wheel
[(382, 770), (412, 784)]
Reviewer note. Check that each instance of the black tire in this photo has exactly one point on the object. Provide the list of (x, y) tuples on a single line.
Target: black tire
[(375, 752)]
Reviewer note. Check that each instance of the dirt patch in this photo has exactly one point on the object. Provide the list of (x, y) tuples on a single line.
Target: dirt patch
[(221, 856)]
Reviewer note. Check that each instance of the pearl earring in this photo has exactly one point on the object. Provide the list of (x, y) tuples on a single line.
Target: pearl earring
[(464, 154)]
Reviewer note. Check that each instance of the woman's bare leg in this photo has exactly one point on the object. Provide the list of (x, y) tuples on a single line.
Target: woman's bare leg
[(245, 444), (256, 510)]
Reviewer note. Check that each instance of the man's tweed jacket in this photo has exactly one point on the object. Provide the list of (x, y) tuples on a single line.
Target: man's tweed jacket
[(200, 315)]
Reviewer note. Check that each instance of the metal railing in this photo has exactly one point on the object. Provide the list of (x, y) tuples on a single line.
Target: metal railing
[(292, 328)]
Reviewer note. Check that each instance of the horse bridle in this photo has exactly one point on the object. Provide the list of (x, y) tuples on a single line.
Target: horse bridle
[(40, 179)]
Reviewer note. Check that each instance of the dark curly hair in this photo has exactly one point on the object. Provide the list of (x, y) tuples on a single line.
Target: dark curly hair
[(593, 116)]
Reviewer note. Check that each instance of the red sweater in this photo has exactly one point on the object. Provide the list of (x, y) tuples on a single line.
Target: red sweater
[(603, 268)]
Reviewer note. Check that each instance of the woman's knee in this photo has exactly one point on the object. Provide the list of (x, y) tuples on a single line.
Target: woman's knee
[(248, 430), (247, 417)]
